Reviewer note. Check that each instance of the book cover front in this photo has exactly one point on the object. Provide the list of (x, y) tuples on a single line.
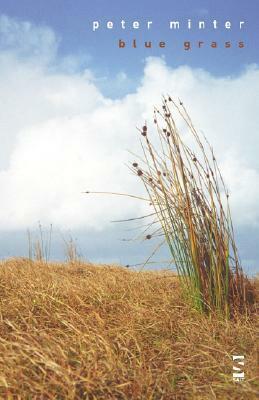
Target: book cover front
[(129, 204)]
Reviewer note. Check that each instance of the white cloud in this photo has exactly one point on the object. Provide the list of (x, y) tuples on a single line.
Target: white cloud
[(61, 136), (25, 39)]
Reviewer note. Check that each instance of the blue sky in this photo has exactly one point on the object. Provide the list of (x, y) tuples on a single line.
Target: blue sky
[(71, 100), (72, 21)]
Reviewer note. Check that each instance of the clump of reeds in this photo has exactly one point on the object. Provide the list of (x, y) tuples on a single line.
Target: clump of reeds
[(39, 245), (191, 203), (71, 251)]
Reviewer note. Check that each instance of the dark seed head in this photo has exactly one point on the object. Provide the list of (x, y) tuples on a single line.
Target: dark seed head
[(164, 173), (207, 175), (168, 134), (144, 133), (150, 179), (158, 172), (148, 237), (155, 121), (139, 172), (144, 128), (135, 164), (164, 130), (169, 98), (194, 159), (164, 107), (168, 115)]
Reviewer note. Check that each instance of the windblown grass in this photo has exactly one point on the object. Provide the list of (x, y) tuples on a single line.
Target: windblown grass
[(191, 205), (79, 331)]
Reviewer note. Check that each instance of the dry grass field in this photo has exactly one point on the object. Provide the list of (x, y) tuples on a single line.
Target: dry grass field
[(83, 331)]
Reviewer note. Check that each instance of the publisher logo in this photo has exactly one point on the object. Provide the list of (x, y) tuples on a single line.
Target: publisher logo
[(238, 368)]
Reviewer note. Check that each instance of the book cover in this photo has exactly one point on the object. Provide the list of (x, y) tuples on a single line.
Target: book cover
[(129, 199)]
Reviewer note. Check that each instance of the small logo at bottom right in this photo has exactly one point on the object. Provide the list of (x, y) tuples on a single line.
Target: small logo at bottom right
[(238, 368)]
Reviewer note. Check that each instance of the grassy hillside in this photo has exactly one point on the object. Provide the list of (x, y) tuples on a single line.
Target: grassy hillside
[(83, 331)]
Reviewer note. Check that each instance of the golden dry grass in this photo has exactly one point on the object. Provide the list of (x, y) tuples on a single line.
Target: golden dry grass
[(83, 331)]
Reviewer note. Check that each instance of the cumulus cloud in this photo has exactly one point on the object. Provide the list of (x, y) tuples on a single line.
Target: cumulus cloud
[(60, 135)]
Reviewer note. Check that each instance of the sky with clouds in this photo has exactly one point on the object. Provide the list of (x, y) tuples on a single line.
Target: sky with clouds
[(71, 101)]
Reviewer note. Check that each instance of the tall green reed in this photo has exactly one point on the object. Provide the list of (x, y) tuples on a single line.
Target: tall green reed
[(191, 204)]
